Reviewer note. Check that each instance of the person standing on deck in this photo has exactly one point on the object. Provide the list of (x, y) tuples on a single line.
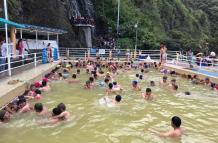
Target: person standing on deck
[(3, 54), (189, 56), (49, 52), (163, 53), (20, 47)]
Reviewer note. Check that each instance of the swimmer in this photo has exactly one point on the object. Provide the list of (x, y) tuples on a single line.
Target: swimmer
[(78, 71), (44, 86), (55, 112), (177, 131), (40, 109), (152, 83), (64, 114), (5, 116), (164, 81), (116, 87), (88, 85), (37, 95), (65, 74), (73, 80), (60, 76), (135, 86), (147, 95), (141, 77), (207, 81), (23, 106), (91, 79), (110, 89), (109, 102)]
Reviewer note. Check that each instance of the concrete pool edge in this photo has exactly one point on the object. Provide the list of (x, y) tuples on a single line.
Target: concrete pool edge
[(9, 92), (181, 70)]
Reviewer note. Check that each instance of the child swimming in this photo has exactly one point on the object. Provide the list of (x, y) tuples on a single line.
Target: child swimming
[(5, 116), (177, 130), (73, 80), (135, 86), (147, 95), (40, 109)]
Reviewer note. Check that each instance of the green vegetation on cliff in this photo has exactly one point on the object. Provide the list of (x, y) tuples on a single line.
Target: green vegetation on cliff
[(181, 24)]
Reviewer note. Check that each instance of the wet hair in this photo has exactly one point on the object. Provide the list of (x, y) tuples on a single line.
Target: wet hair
[(88, 82), (106, 80), (2, 114), (175, 87), (187, 93), (20, 101), (60, 74), (114, 83), (91, 79), (176, 122), (142, 70), (78, 71), (37, 91), (110, 85), (44, 83), (118, 98), (189, 76), (213, 85), (101, 72), (152, 83), (135, 82), (164, 77), (65, 71), (141, 77), (137, 75), (38, 107), (74, 76), (61, 106), (56, 111), (148, 90)]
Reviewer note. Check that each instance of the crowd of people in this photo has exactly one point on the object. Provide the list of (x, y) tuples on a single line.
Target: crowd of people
[(105, 42), (83, 20), (101, 74)]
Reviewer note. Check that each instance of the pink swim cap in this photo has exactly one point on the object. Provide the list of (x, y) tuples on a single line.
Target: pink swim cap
[(37, 84), (45, 79)]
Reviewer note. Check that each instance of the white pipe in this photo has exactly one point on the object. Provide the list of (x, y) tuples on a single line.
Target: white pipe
[(21, 34), (36, 39)]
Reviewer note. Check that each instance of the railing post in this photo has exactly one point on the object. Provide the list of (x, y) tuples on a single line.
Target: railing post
[(68, 53), (9, 65), (35, 63), (200, 63)]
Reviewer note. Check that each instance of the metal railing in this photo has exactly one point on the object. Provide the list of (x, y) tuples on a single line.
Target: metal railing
[(115, 54), (10, 63)]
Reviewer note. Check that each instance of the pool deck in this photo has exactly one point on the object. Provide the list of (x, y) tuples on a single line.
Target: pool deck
[(27, 77), (182, 70)]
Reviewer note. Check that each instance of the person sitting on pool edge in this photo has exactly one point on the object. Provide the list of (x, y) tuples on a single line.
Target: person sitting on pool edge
[(177, 130), (147, 95), (73, 80), (135, 86), (40, 109)]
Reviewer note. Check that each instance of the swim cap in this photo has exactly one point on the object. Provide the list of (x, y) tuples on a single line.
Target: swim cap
[(45, 79), (37, 84)]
